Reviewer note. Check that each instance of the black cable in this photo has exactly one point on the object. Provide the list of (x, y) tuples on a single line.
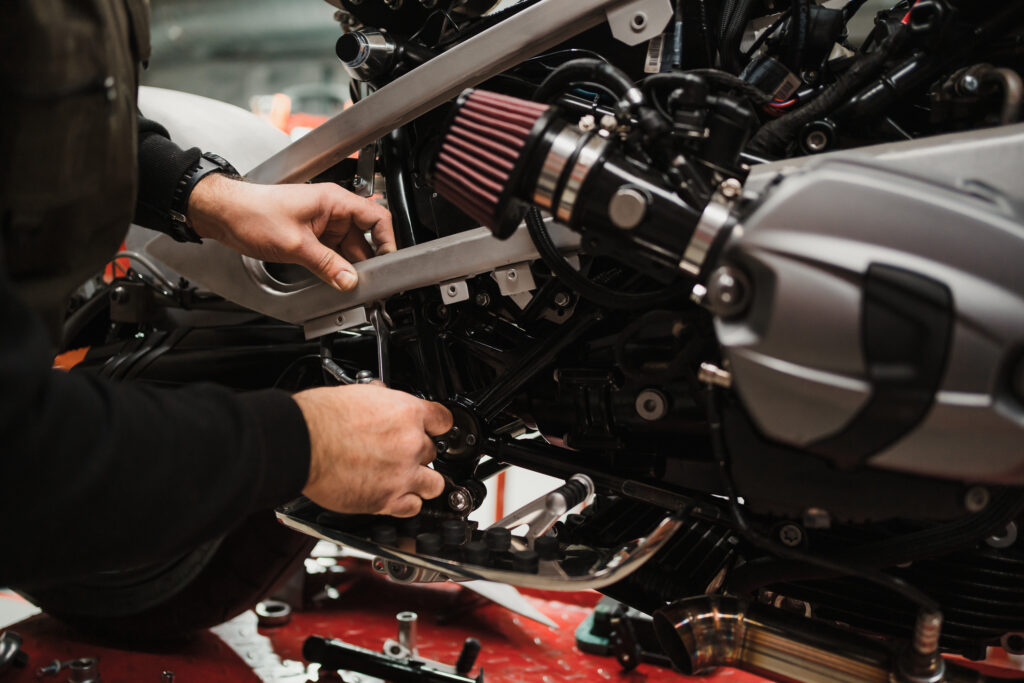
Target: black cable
[(591, 71), (717, 77), (765, 544), (588, 289), (730, 47), (705, 28), (803, 20), (773, 137)]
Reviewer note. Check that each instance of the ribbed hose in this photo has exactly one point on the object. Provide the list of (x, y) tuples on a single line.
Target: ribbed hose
[(592, 291), (730, 52)]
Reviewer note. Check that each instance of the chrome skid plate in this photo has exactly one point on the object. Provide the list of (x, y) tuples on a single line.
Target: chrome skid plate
[(579, 567)]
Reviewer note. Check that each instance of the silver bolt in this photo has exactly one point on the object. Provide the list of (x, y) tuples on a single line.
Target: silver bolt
[(358, 182), (791, 535), (730, 188), (512, 275), (714, 375), (459, 500), (1004, 538), (609, 122), (638, 22), (561, 299), (816, 141), (976, 499), (364, 377), (728, 291), (970, 83), (482, 299), (587, 122)]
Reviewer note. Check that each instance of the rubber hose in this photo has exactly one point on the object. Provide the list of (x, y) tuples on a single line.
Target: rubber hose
[(775, 136), (592, 291), (593, 70), (730, 52)]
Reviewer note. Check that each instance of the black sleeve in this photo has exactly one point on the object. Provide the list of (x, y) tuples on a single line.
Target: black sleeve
[(115, 475), (162, 165)]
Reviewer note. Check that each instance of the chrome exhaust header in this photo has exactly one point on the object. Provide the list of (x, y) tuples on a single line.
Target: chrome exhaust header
[(702, 633)]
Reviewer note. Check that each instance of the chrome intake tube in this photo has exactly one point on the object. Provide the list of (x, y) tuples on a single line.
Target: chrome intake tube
[(702, 633)]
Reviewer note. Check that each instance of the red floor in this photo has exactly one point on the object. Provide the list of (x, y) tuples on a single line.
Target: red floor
[(514, 648)]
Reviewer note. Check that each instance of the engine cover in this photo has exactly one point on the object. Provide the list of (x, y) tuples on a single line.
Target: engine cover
[(885, 321)]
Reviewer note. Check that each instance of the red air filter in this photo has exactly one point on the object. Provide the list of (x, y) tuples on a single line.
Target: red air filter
[(482, 155)]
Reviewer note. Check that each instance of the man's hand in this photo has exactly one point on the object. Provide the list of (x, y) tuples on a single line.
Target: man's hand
[(369, 448), (312, 225)]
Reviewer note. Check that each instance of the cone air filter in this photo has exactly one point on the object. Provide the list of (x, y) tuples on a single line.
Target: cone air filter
[(482, 155)]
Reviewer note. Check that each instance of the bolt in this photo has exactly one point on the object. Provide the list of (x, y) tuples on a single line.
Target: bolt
[(452, 290), (364, 377), (340, 319), (609, 122), (927, 630), (587, 122), (728, 292), (358, 182), (791, 535), (482, 299), (638, 22), (459, 500), (442, 446), (816, 141), (561, 299), (730, 188), (976, 499), (512, 275), (119, 295), (470, 440), (714, 375), (969, 83)]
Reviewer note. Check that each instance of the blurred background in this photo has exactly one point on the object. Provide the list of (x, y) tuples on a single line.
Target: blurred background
[(250, 53)]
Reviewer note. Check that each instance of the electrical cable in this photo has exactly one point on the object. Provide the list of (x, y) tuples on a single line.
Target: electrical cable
[(586, 288)]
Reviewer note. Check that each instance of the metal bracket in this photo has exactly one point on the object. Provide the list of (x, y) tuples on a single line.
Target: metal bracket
[(640, 20), (454, 291), (335, 322), (514, 279), (366, 171)]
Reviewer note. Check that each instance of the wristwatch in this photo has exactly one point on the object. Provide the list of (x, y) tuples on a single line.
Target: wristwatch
[(181, 228)]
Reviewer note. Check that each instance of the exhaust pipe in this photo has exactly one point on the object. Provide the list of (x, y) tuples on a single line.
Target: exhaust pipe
[(702, 633)]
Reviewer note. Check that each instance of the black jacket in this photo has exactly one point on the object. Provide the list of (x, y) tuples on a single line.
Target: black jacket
[(96, 475)]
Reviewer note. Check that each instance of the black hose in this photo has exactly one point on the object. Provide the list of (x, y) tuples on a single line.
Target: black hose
[(775, 136), (765, 544), (588, 289), (594, 71), (730, 49), (802, 18), (717, 77), (705, 29), (728, 8)]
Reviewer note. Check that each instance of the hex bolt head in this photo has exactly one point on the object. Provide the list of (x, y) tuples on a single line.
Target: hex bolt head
[(459, 500), (791, 535), (482, 299), (561, 299), (728, 292)]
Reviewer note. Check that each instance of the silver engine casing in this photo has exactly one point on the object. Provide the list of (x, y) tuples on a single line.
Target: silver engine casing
[(797, 352)]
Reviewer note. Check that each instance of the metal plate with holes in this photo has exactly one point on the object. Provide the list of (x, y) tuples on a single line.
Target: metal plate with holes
[(454, 292), (640, 20), (514, 279)]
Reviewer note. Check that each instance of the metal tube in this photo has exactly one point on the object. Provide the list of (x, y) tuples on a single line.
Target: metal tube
[(407, 623), (504, 45), (703, 633)]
